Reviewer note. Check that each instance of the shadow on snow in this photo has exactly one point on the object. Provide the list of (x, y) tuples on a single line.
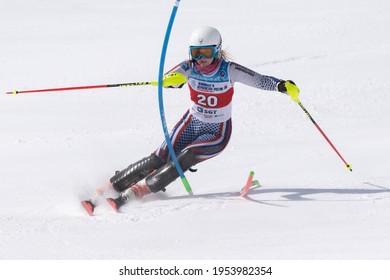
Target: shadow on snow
[(259, 195)]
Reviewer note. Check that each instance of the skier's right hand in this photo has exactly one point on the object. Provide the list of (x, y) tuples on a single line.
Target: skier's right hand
[(174, 80)]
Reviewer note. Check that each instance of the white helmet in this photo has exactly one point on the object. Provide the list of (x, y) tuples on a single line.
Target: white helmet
[(206, 36)]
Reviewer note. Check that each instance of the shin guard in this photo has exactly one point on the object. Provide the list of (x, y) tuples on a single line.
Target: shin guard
[(135, 172), (168, 173)]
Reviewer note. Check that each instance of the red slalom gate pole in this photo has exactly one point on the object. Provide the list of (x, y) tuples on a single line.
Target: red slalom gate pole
[(248, 184), (347, 165)]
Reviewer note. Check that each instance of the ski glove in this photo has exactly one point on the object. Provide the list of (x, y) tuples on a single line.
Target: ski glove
[(290, 88), (172, 80)]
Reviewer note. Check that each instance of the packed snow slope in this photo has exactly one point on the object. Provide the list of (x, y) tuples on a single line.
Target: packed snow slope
[(57, 148)]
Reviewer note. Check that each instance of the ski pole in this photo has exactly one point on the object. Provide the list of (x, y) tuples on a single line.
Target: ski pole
[(348, 166), (170, 79), (78, 88)]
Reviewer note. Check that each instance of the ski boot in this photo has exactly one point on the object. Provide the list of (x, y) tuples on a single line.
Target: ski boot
[(133, 193)]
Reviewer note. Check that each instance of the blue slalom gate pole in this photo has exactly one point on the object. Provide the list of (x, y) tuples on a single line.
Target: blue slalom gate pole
[(161, 101)]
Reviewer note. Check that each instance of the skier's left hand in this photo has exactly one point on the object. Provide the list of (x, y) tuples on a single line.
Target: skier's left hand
[(290, 88)]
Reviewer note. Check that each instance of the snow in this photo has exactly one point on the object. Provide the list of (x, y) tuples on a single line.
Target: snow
[(57, 148)]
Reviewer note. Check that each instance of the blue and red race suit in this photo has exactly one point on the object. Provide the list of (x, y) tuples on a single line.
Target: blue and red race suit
[(206, 127)]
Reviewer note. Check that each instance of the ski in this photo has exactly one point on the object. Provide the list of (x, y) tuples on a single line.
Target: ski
[(90, 204), (115, 203)]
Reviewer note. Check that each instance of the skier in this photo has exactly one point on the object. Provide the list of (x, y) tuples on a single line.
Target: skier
[(204, 130)]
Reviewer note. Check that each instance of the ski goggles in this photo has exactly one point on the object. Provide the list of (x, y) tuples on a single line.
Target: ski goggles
[(204, 51)]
